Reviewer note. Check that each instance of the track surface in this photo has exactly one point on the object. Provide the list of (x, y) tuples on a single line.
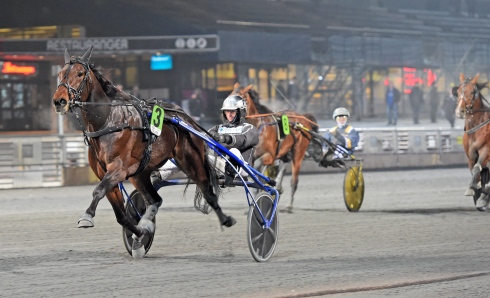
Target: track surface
[(416, 235)]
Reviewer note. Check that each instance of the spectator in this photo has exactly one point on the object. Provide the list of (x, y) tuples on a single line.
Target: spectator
[(135, 91), (196, 104), (392, 100), (449, 107), (434, 103), (416, 100), (293, 92)]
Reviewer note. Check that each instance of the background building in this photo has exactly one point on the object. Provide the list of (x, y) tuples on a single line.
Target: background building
[(338, 52)]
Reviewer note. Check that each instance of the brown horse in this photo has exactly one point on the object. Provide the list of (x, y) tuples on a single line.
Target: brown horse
[(475, 109), (271, 147), (122, 146)]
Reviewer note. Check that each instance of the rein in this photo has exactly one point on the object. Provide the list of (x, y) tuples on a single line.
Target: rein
[(478, 127), (292, 116)]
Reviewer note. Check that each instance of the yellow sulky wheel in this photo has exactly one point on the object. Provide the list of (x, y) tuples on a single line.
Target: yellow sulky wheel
[(353, 189)]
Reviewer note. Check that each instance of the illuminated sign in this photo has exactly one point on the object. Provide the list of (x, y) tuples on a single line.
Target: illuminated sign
[(410, 78), (11, 68), (161, 62)]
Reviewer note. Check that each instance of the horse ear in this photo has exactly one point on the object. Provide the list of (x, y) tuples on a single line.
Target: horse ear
[(236, 85), (88, 53), (475, 79), (247, 88), (67, 56), (461, 78)]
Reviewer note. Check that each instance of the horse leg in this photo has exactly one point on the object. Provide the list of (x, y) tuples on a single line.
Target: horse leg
[(295, 166), (475, 176), (280, 176), (153, 201)]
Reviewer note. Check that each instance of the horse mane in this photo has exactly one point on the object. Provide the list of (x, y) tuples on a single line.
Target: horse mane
[(254, 95), (484, 101), (107, 85)]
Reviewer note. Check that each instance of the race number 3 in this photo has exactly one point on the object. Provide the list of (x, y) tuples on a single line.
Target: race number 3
[(285, 124), (156, 121)]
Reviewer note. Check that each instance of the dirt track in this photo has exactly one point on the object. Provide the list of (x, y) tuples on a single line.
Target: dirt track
[(415, 235)]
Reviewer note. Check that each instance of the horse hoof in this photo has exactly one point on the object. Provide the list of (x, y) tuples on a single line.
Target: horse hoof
[(482, 203), (147, 225), (229, 221), (86, 221), (469, 192), (138, 253), (280, 190), (137, 248), (288, 209)]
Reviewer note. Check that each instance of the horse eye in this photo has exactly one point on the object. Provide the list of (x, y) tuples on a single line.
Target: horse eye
[(80, 73)]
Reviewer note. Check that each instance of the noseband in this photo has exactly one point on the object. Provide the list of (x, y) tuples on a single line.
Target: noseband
[(77, 93)]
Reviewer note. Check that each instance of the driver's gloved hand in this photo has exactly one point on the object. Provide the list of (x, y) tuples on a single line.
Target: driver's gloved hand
[(339, 138), (225, 139), (215, 135)]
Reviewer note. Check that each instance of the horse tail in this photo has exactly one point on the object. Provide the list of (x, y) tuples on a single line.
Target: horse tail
[(314, 125)]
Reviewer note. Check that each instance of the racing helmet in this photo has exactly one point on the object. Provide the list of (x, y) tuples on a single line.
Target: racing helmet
[(232, 103), (340, 112)]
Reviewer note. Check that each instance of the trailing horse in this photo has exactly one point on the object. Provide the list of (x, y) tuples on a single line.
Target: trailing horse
[(475, 109), (117, 130), (282, 140)]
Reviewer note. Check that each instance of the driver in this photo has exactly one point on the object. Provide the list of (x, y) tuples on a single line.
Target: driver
[(234, 134), (343, 135)]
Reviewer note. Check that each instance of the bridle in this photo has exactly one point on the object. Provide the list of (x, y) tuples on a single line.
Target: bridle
[(475, 94), (74, 100)]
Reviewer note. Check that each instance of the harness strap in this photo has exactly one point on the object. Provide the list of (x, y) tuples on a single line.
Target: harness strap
[(478, 127), (107, 130)]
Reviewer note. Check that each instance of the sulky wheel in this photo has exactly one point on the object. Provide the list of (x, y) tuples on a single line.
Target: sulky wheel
[(140, 205), (353, 189), (262, 241)]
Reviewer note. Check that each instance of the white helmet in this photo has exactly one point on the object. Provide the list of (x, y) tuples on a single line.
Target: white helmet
[(232, 103), (340, 112)]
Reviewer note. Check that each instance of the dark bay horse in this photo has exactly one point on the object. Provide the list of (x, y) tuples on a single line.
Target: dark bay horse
[(475, 109), (271, 147), (122, 146)]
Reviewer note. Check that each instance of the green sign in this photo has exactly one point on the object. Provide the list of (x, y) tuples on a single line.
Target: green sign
[(285, 124), (156, 122)]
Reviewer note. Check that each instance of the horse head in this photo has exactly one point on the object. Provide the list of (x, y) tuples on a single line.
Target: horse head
[(468, 94), (74, 78)]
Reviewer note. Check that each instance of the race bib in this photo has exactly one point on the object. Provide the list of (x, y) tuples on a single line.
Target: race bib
[(156, 122)]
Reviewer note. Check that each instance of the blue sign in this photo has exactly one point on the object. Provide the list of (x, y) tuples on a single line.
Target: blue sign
[(161, 62)]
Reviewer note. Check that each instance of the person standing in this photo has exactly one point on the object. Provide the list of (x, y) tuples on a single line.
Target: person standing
[(293, 92), (392, 99), (434, 103), (196, 105), (135, 91), (449, 107), (416, 99)]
